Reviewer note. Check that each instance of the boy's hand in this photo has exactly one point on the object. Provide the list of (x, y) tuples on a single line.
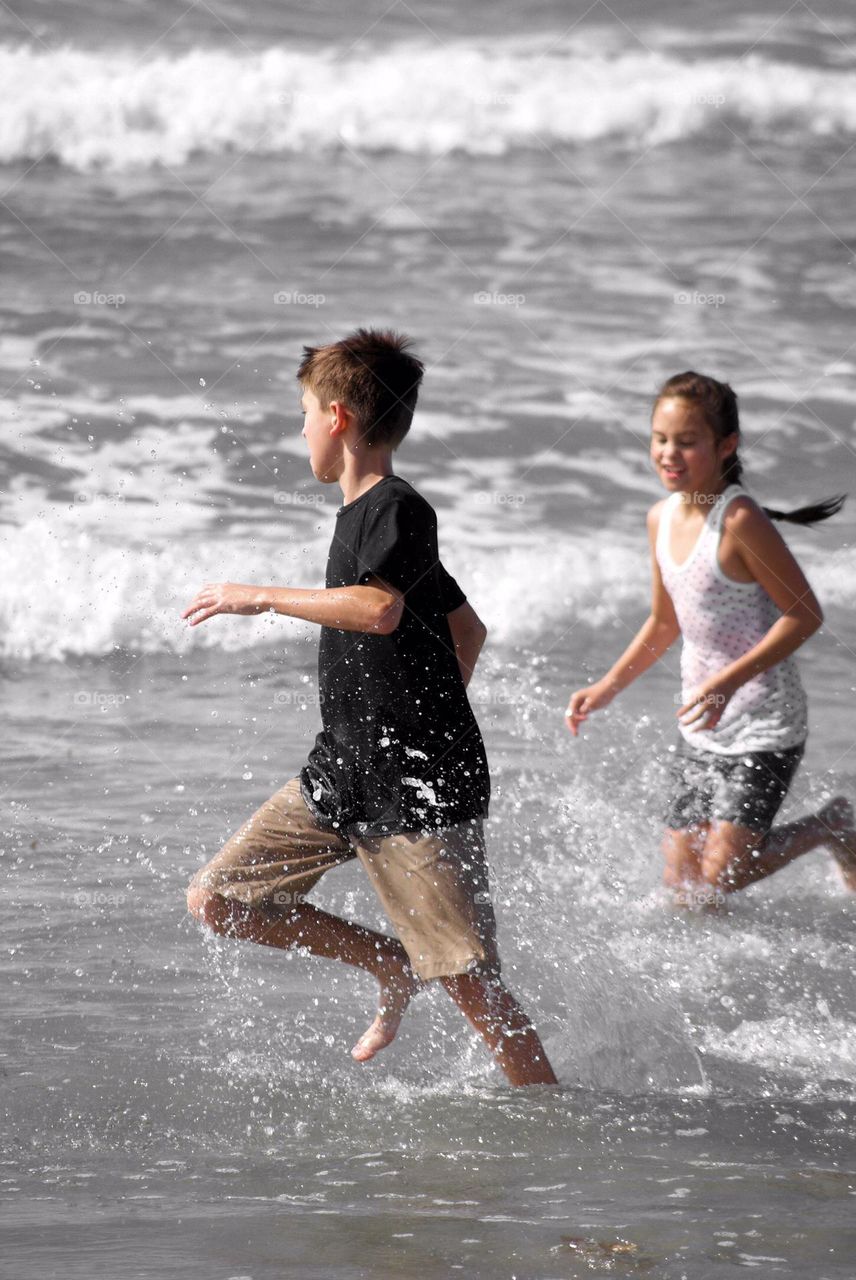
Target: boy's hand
[(592, 698), (224, 597)]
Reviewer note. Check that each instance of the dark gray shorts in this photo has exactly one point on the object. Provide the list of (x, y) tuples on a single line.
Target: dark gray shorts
[(745, 789)]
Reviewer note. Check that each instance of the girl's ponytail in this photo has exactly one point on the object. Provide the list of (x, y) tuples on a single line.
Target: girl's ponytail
[(718, 403), (811, 514)]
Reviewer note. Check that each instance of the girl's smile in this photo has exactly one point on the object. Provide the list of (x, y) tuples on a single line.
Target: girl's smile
[(684, 450)]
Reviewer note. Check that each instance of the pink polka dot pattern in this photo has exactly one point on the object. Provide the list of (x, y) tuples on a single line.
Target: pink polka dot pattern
[(720, 620)]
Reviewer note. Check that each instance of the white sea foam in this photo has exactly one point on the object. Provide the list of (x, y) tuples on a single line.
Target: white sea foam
[(72, 588), (90, 110), (823, 1048), (75, 583)]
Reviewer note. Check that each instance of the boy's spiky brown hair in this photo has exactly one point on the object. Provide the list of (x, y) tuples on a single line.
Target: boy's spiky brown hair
[(374, 373)]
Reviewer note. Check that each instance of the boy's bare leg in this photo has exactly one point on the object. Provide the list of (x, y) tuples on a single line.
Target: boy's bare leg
[(325, 935), (735, 857), (499, 1019)]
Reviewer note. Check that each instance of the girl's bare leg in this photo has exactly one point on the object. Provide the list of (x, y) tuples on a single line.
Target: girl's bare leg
[(842, 839), (735, 856), (682, 850)]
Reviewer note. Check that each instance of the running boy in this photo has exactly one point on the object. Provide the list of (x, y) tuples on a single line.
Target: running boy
[(398, 775), (725, 580)]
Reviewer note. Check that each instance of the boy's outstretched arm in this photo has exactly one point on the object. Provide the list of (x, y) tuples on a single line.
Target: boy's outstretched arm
[(375, 607), (468, 636)]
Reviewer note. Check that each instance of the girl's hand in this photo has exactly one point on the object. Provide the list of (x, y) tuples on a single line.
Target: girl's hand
[(705, 706), (224, 597), (592, 698)]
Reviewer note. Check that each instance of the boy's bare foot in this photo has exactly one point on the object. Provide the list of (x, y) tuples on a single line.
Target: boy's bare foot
[(396, 992), (839, 817)]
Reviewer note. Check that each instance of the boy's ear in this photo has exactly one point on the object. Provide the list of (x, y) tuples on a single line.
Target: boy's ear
[(341, 417)]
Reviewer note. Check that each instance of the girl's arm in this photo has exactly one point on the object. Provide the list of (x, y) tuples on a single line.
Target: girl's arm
[(768, 559), (659, 631)]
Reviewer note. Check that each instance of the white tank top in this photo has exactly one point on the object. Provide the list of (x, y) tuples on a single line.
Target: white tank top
[(720, 620)]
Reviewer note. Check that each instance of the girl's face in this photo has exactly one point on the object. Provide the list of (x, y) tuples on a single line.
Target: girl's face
[(685, 452)]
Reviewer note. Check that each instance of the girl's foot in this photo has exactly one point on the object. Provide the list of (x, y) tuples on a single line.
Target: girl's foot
[(844, 852), (396, 992), (837, 813), (839, 818)]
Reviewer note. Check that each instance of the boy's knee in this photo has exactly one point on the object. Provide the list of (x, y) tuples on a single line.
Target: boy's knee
[(209, 908)]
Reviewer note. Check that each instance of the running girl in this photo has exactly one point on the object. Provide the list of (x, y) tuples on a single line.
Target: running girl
[(724, 579)]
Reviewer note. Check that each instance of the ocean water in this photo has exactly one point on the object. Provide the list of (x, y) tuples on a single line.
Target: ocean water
[(564, 205)]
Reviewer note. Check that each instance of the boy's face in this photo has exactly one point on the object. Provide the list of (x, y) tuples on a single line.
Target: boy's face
[(322, 430)]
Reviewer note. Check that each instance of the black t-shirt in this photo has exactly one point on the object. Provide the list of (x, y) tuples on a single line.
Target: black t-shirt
[(400, 749)]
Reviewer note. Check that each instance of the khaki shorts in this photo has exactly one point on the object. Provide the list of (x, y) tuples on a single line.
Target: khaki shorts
[(433, 886)]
